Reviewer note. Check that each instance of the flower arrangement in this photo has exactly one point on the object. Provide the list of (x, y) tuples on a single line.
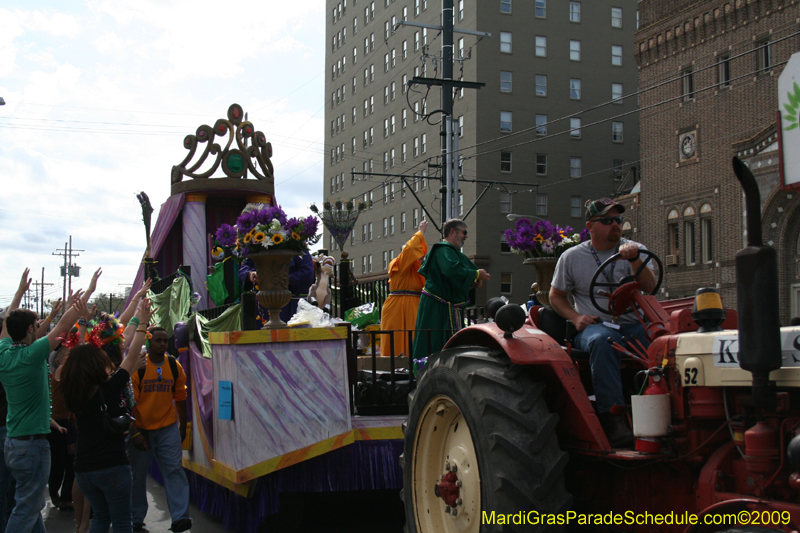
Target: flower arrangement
[(542, 239), (340, 218), (268, 229)]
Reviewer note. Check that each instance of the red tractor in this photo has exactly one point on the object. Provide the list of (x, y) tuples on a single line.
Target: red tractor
[(502, 435)]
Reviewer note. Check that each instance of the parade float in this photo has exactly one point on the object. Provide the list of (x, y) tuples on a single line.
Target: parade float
[(272, 410)]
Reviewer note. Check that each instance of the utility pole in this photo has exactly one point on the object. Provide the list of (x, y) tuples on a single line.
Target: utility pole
[(447, 83), (69, 269), (41, 284)]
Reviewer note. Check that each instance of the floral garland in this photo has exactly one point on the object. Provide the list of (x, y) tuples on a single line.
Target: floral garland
[(542, 238), (268, 229)]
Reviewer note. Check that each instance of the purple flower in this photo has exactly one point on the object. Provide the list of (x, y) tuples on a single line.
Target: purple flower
[(226, 235), (311, 224), (246, 222)]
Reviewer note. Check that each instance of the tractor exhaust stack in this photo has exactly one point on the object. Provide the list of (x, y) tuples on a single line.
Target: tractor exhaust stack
[(757, 295)]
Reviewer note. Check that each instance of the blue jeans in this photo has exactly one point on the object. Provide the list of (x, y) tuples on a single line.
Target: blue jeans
[(6, 482), (165, 446), (109, 492), (29, 463), (605, 360)]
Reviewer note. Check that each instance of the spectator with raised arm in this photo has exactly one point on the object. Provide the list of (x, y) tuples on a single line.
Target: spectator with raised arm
[(24, 373)]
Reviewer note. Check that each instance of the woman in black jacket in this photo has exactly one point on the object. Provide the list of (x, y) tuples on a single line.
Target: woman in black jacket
[(102, 468)]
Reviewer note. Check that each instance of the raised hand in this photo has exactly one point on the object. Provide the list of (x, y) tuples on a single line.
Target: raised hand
[(145, 287), (24, 282), (93, 283)]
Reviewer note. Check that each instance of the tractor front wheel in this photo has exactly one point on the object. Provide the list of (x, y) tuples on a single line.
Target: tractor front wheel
[(481, 453)]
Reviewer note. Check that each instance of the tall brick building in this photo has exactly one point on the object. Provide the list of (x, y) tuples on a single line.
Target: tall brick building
[(708, 71), (553, 127)]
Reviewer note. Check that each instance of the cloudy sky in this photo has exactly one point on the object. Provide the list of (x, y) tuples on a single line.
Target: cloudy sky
[(99, 96)]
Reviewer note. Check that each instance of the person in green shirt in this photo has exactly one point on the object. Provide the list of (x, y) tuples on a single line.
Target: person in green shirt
[(450, 282), (24, 374)]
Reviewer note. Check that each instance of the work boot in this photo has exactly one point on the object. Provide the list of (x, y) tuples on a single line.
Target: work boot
[(617, 430), (183, 524)]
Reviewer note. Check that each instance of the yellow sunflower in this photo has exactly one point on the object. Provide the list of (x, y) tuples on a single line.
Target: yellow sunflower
[(248, 238), (295, 236), (277, 238), (258, 237), (538, 238)]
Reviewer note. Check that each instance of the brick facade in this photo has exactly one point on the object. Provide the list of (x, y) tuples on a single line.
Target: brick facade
[(709, 87)]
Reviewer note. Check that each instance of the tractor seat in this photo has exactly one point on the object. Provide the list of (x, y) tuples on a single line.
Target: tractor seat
[(561, 329)]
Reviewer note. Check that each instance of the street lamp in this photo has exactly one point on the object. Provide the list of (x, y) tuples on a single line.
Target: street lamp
[(514, 216)]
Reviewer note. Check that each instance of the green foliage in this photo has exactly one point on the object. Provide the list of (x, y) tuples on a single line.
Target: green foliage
[(791, 108)]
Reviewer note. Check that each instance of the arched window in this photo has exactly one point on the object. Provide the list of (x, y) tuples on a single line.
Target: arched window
[(706, 235), (673, 234), (688, 236)]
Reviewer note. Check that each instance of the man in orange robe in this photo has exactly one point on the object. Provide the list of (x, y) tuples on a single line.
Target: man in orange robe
[(405, 285)]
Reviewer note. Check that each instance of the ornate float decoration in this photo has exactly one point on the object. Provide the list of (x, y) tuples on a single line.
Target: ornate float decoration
[(252, 153)]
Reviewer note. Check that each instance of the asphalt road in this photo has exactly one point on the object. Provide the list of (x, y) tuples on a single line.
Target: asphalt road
[(157, 520)]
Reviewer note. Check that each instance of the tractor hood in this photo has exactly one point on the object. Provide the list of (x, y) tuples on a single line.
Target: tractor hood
[(712, 359)]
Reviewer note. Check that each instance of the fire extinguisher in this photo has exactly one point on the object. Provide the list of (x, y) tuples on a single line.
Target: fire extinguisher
[(651, 413)]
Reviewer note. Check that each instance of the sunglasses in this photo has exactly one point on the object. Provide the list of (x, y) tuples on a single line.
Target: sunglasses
[(607, 221), (464, 232)]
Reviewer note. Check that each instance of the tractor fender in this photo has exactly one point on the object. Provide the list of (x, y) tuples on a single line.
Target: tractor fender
[(531, 346)]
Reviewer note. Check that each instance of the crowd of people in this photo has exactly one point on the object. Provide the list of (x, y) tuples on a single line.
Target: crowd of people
[(86, 403)]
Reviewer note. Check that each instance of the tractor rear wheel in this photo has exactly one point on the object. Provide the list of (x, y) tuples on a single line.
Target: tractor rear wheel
[(480, 442)]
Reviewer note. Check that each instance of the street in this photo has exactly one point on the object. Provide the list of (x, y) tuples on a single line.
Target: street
[(157, 520)]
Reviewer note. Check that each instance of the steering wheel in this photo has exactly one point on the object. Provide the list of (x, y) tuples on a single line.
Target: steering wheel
[(613, 285)]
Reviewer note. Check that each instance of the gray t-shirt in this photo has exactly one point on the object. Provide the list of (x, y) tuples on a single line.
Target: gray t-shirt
[(574, 272)]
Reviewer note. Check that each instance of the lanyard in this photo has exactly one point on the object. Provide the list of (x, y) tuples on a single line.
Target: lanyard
[(597, 259)]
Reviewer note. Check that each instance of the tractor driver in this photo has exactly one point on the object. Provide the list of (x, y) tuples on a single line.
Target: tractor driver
[(573, 274)]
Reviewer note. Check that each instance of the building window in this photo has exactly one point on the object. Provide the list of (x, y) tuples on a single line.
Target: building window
[(403, 222), (541, 85), (385, 226), (416, 146), (505, 6), (460, 126), (541, 124), (575, 128), (541, 164), (505, 161), (364, 264), (616, 93), (505, 202), (505, 82), (369, 226), (424, 144), (541, 46), (724, 70), (541, 9), (505, 42), (504, 247), (505, 121), (575, 89), (392, 125), (391, 224), (687, 84), (706, 236), (541, 204), (575, 206), (673, 237), (616, 132), (403, 153), (460, 9), (616, 17), (574, 11), (688, 228), (404, 118), (574, 50), (574, 167), (505, 282), (616, 55), (460, 205), (763, 58), (369, 263), (385, 260), (415, 217)]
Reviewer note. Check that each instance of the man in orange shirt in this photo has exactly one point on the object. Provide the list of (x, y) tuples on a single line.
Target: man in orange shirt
[(159, 431), (399, 311)]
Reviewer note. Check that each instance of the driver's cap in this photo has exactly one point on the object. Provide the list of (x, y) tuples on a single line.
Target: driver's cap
[(598, 208)]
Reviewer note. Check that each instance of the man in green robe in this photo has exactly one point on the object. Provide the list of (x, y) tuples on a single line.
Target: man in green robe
[(450, 282)]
